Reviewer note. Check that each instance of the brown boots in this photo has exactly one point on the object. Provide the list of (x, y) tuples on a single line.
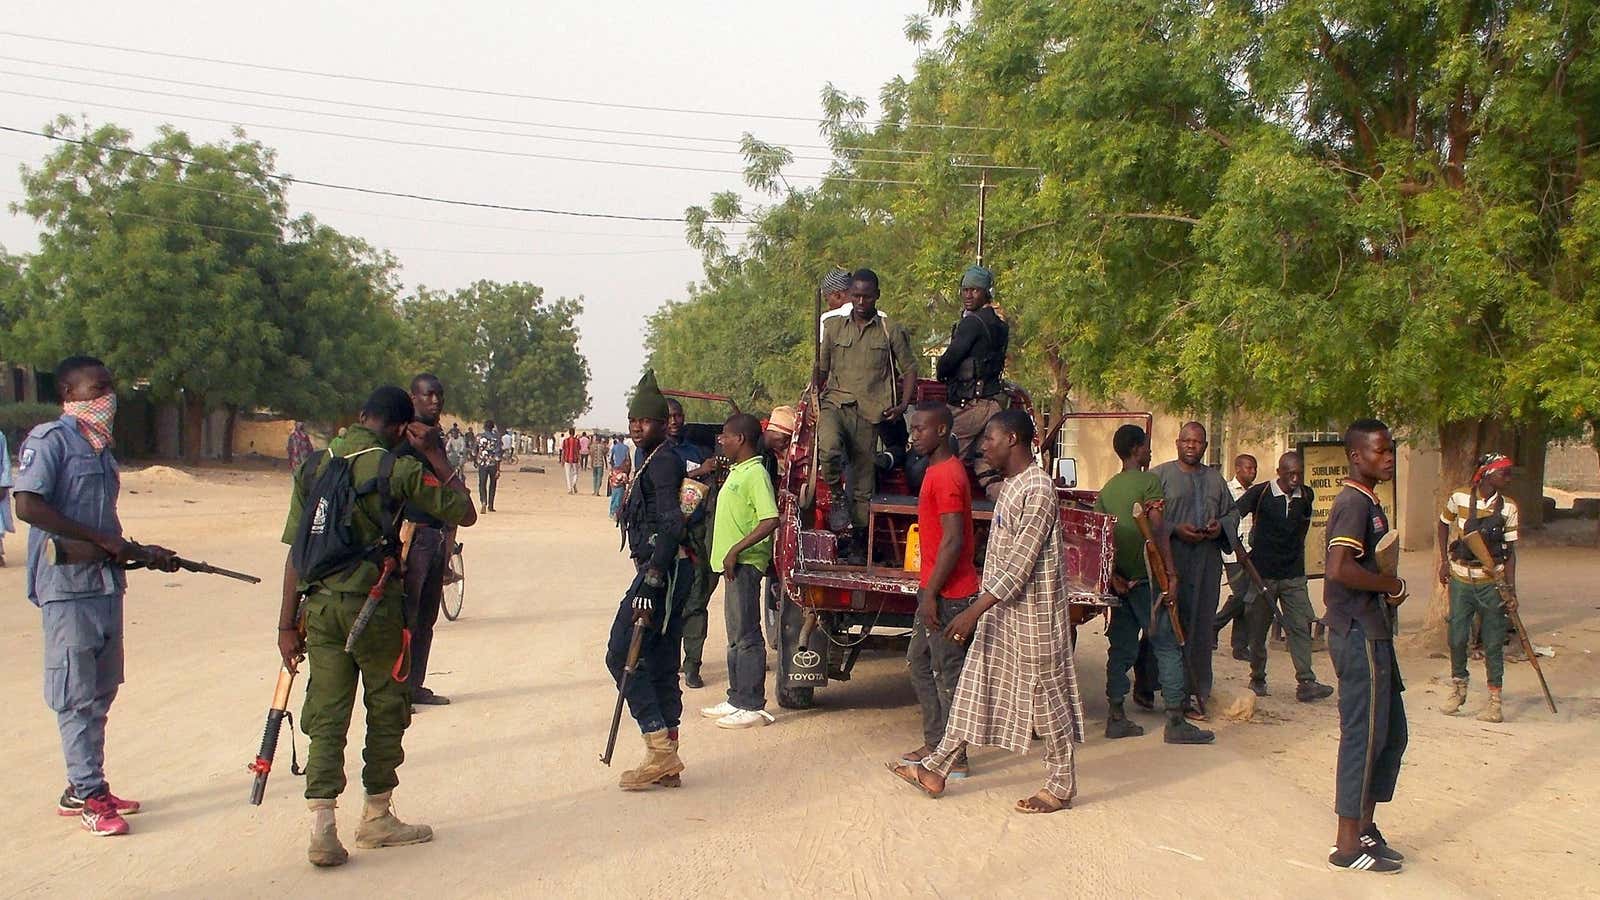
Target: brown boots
[(661, 764), (1491, 711), (1458, 696), (325, 849), (380, 828)]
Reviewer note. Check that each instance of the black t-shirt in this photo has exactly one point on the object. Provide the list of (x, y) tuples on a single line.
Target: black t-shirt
[(1278, 532), (1357, 521)]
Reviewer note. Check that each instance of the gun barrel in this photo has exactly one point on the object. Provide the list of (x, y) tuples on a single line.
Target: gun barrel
[(622, 689), (205, 568)]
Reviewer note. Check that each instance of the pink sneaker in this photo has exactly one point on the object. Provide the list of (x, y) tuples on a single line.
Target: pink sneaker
[(100, 817), (70, 805)]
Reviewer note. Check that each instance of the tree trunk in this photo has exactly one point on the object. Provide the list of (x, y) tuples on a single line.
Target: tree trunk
[(194, 425), (227, 432)]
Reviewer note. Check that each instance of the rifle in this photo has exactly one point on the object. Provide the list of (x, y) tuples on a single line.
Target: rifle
[(276, 713), (1508, 596), (390, 563), (622, 688), (1166, 595), (63, 551)]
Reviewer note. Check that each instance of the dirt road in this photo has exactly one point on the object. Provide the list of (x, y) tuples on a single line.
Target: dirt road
[(509, 779)]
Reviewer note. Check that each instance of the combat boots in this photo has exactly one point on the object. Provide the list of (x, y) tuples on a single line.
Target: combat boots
[(380, 828), (1118, 725), (1458, 696), (1180, 730), (325, 849), (1491, 712), (661, 764)]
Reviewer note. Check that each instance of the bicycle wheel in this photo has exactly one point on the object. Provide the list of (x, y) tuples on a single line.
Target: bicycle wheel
[(455, 586)]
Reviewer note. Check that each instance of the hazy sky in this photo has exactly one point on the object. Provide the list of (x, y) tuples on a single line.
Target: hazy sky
[(740, 57)]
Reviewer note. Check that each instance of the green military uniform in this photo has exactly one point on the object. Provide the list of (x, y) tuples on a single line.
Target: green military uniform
[(331, 608), (862, 363)]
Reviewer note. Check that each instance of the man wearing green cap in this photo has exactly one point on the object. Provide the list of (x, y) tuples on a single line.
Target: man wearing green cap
[(971, 366), (868, 375), (653, 531)]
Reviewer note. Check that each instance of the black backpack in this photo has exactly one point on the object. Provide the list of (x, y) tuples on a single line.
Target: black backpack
[(325, 543)]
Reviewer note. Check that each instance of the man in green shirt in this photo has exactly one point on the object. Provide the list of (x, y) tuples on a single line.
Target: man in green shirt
[(1130, 579), (868, 375), (332, 603), (741, 545)]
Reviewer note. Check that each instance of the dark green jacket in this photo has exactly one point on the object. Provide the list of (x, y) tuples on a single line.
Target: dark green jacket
[(409, 483)]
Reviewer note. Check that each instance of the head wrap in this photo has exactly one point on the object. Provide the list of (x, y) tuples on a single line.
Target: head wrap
[(977, 277), (783, 420), (1490, 462), (648, 401), (835, 281)]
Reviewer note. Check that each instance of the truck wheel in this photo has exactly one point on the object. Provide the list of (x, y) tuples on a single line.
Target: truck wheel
[(797, 697)]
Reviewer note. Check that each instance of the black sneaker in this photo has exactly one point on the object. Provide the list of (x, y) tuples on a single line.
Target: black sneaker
[(1307, 691), (1145, 701), (1372, 841), (1362, 862), (691, 677), (1118, 725), (426, 697), (1259, 686)]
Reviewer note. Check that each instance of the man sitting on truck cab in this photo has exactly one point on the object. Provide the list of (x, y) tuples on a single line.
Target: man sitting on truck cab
[(970, 368)]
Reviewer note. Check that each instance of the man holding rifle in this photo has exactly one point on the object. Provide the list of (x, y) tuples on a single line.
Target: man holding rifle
[(1481, 507), (1280, 511), (1133, 582), (66, 486), (335, 602)]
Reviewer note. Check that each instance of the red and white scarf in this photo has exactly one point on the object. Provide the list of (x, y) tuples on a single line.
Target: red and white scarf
[(94, 418)]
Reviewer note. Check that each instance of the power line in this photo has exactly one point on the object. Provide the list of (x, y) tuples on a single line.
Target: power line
[(119, 213), (377, 192), (401, 142), (447, 115), (393, 82)]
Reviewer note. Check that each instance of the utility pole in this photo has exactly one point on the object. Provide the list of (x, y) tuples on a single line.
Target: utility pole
[(983, 190)]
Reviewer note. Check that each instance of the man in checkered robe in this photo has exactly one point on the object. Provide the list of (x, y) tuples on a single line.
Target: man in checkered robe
[(1019, 676)]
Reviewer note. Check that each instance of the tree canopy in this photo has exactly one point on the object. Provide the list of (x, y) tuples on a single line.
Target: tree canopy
[(1310, 210)]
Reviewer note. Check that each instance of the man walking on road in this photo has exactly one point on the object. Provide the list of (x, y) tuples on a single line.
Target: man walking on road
[(746, 517), (1198, 510), (429, 551), (1019, 677), (488, 465), (599, 459), (1481, 506), (948, 580), (66, 487), (333, 601), (1281, 512), (298, 447), (571, 456)]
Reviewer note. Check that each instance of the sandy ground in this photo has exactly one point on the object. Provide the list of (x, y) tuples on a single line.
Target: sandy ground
[(509, 779)]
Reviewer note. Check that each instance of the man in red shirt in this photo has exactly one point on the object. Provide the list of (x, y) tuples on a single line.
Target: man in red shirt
[(570, 454), (949, 579)]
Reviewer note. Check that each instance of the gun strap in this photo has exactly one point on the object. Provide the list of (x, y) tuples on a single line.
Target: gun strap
[(294, 754)]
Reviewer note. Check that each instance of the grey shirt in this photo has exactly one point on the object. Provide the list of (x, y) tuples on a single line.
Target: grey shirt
[(1195, 498), (59, 465)]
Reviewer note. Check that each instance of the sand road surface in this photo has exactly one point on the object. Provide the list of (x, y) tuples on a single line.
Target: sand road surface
[(508, 775)]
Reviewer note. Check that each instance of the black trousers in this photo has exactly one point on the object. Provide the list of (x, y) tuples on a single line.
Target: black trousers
[(488, 480), (425, 566), (1372, 720), (655, 699)]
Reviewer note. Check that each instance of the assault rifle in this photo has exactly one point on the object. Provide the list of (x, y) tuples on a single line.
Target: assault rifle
[(63, 551), (1166, 594)]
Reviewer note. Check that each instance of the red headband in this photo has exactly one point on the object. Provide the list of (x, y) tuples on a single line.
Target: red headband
[(1493, 465)]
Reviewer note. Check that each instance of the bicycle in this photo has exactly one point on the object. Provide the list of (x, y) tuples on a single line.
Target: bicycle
[(455, 585)]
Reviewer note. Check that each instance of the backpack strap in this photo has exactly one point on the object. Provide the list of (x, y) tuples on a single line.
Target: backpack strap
[(390, 511)]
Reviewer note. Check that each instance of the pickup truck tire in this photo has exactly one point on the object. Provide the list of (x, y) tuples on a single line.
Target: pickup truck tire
[(797, 697)]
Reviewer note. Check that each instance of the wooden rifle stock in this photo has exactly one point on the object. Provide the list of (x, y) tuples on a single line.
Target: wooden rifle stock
[(276, 713), (1165, 584), (1508, 595)]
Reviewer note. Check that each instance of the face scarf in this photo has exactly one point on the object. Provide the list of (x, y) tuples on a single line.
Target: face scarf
[(94, 418)]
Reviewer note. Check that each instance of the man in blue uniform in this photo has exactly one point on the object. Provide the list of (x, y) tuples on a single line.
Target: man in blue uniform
[(67, 487)]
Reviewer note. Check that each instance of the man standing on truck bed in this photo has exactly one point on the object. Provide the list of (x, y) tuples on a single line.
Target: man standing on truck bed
[(1199, 508), (971, 368), (949, 580), (1019, 676), (868, 375), (1131, 580)]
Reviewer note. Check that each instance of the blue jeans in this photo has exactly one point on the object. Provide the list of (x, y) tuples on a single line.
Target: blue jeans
[(655, 698), (1127, 621), (747, 655), (82, 669)]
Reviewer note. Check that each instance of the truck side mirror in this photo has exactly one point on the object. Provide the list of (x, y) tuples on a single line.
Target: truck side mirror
[(1067, 472)]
